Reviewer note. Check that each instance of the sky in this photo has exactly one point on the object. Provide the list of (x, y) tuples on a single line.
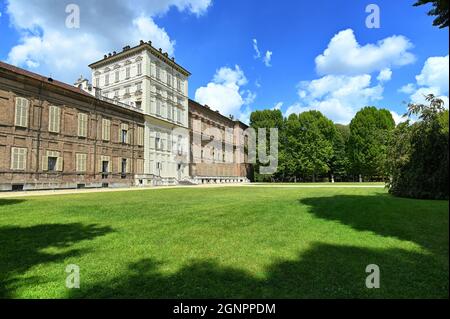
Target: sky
[(292, 55)]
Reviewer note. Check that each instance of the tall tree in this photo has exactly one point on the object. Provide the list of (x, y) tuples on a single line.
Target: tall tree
[(440, 9), (315, 142), (267, 119), (370, 131), (340, 163), (418, 156)]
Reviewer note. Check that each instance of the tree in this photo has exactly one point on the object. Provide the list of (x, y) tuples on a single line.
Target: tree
[(315, 143), (418, 157), (340, 162), (440, 9), (267, 119), (370, 131)]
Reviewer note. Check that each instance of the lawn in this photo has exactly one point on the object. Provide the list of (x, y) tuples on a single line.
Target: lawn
[(233, 242)]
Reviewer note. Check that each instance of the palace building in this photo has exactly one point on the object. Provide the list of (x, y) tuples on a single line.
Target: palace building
[(146, 78), (133, 126), (54, 135)]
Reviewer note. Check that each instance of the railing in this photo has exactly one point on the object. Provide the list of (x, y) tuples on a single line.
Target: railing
[(99, 96)]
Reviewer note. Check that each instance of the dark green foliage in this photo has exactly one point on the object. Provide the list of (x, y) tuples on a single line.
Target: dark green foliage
[(340, 163), (418, 158), (370, 131), (266, 119), (440, 9)]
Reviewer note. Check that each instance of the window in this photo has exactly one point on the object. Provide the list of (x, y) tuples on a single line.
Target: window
[(21, 118), (158, 73), (116, 93), (127, 72), (124, 167), (158, 141), (82, 124), (178, 84), (52, 162), (105, 166), (178, 115), (138, 86), (106, 130), (81, 161), (169, 79), (127, 90), (106, 79), (123, 138), (169, 111), (97, 82), (179, 145), (138, 104), (140, 136), (158, 107), (140, 166), (54, 118), (139, 69), (18, 158)]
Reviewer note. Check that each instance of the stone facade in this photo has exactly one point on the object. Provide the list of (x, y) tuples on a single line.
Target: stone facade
[(146, 78), (217, 147), (53, 135)]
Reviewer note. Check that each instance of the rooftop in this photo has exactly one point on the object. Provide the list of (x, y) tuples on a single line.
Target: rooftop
[(127, 50)]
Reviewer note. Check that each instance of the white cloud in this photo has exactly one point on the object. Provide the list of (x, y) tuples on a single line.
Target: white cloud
[(408, 88), (338, 97), (433, 79), (224, 92), (385, 75), (278, 106), (435, 74), (49, 47), (345, 56), (255, 47), (398, 118), (268, 58)]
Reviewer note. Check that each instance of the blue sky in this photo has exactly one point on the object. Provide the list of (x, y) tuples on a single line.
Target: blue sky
[(214, 40)]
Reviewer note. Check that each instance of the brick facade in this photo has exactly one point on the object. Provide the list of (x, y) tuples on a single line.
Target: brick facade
[(222, 162), (42, 146)]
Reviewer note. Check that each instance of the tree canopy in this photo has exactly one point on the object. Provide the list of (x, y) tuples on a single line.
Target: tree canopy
[(369, 133), (440, 10)]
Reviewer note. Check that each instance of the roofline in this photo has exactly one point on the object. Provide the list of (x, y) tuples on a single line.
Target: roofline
[(142, 46), (218, 113), (8, 68)]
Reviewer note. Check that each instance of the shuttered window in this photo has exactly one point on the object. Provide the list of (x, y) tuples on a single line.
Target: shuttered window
[(106, 129), (21, 118), (18, 158), (140, 136), (82, 124), (54, 119), (104, 168), (81, 162), (139, 166), (52, 161), (124, 137)]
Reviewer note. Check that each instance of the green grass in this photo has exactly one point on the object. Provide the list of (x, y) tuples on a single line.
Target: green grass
[(236, 242)]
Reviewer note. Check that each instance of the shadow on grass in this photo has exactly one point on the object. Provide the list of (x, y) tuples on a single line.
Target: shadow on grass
[(420, 221), (21, 248), (325, 271), (4, 202)]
